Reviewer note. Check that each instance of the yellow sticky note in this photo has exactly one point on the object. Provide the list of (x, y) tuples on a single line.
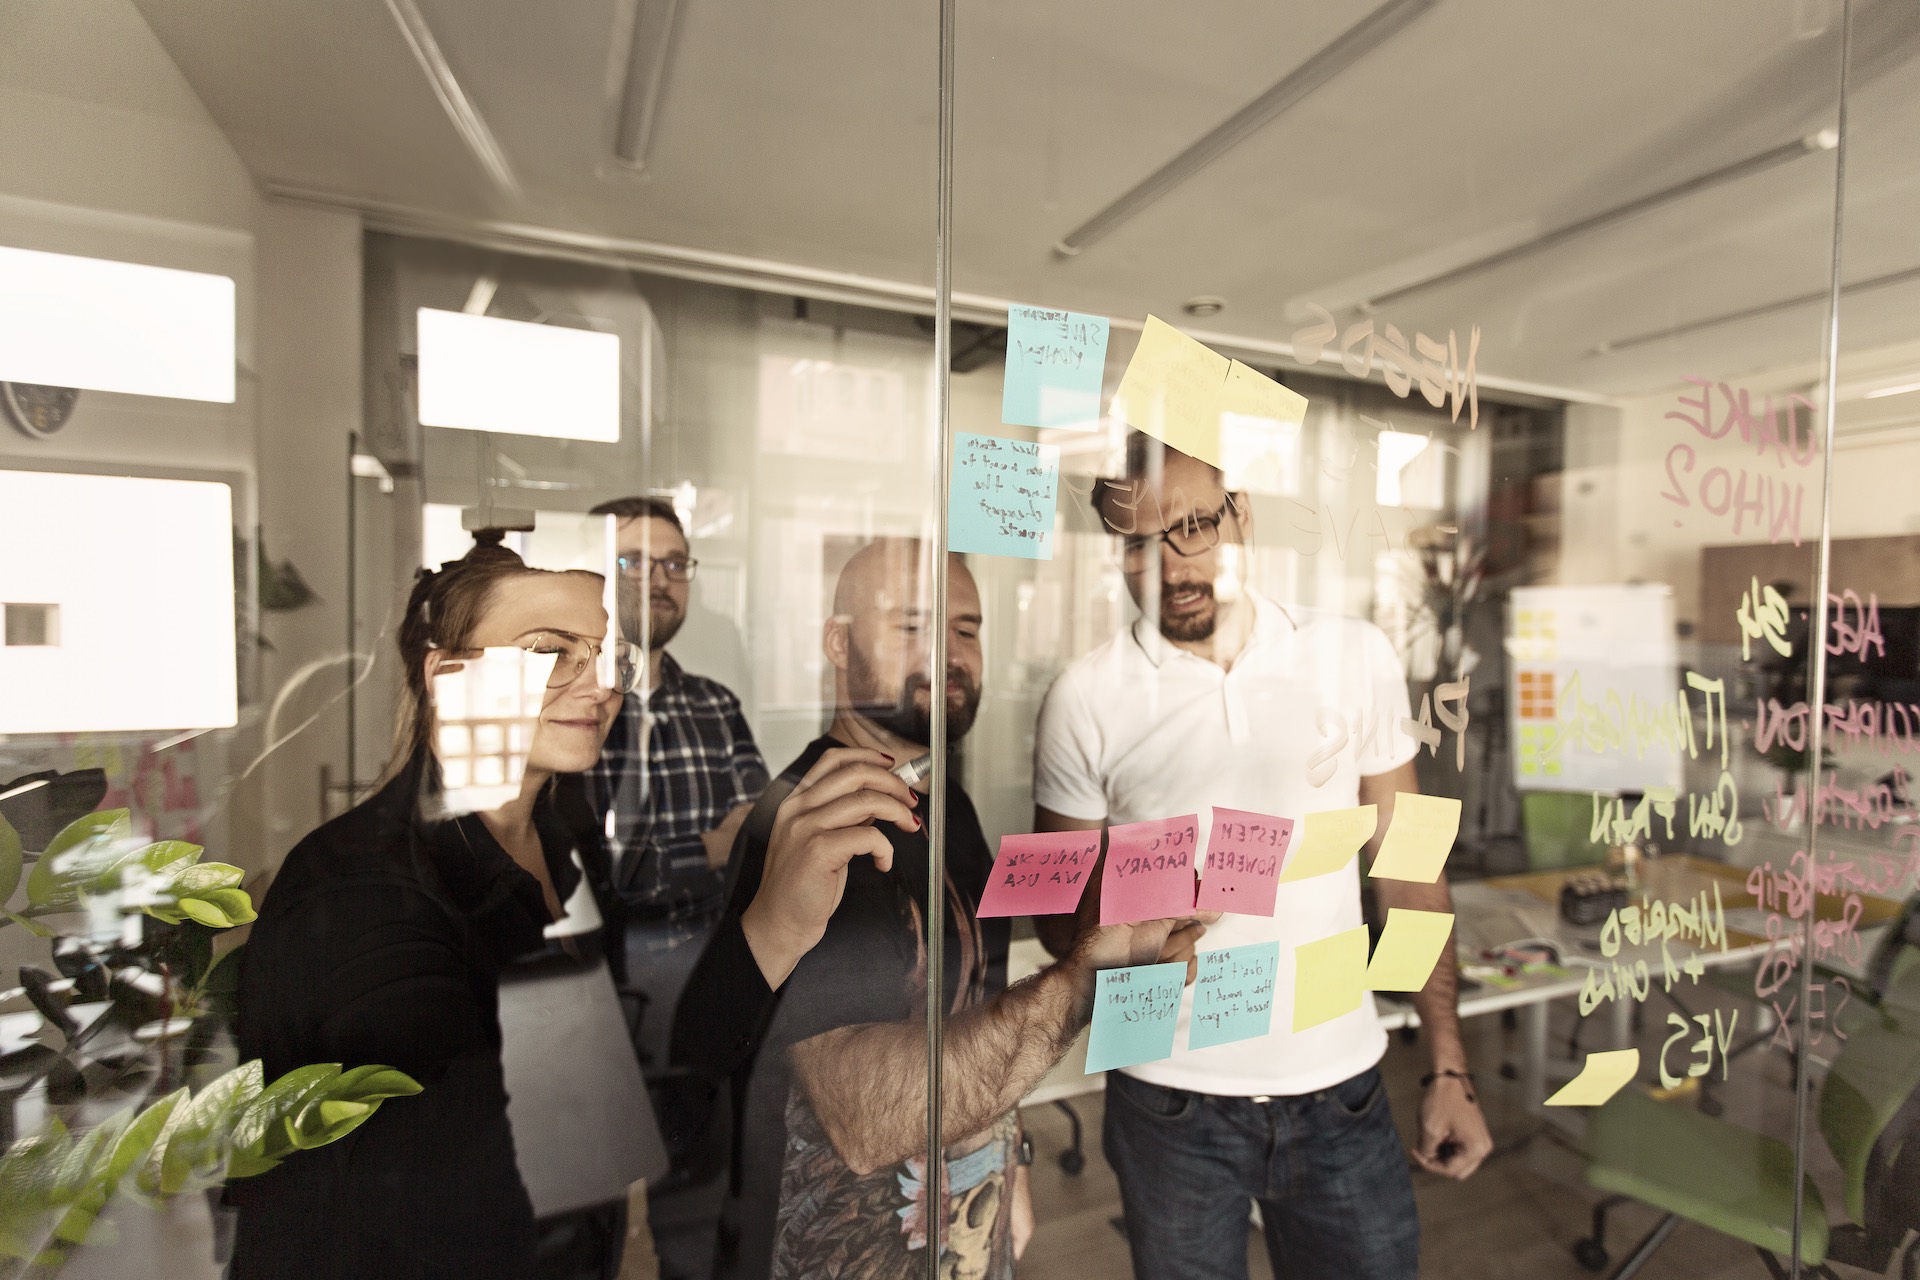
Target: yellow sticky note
[(1409, 947), (1253, 394), (1328, 840), (1604, 1075), (1419, 837), (1329, 977), (1172, 390)]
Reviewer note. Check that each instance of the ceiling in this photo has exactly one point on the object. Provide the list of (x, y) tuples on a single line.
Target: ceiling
[(805, 134)]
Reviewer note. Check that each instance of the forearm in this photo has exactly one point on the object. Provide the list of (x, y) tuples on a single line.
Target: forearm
[(868, 1083), (1437, 1003)]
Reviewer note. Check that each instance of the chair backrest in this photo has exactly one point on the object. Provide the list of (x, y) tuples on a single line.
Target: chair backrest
[(1871, 1098), (1556, 824)]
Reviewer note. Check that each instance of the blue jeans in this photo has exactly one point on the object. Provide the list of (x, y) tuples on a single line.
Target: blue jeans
[(1328, 1170)]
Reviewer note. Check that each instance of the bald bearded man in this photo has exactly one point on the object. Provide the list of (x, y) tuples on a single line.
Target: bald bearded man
[(828, 1049)]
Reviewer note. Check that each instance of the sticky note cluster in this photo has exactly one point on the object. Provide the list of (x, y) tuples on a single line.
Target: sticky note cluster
[(1150, 870), (1002, 495), (1176, 389), (1055, 360), (1042, 874), (1135, 1012)]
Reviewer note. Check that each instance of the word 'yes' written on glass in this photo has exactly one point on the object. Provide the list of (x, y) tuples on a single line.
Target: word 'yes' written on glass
[(1337, 732), (1775, 504), (1653, 921), (1400, 365)]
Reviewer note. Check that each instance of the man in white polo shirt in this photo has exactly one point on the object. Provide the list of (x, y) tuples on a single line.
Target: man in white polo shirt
[(1233, 700)]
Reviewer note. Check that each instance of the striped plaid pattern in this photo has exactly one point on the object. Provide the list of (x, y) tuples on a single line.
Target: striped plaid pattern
[(700, 762)]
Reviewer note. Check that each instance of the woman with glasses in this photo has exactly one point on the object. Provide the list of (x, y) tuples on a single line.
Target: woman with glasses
[(385, 932)]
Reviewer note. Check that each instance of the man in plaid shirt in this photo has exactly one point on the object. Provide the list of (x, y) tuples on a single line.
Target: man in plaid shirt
[(678, 775)]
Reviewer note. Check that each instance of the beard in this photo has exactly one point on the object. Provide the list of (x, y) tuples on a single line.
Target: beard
[(903, 715), (1194, 626), (667, 617)]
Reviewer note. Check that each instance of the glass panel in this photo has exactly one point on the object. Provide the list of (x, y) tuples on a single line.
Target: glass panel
[(1436, 529), (463, 600)]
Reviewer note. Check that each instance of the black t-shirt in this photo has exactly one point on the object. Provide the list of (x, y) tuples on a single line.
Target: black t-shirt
[(869, 966), (382, 939)]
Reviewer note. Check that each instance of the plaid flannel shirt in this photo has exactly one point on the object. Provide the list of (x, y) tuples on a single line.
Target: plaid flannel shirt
[(700, 762)]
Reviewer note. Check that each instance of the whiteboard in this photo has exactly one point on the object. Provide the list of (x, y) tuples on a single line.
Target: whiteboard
[(1595, 699)]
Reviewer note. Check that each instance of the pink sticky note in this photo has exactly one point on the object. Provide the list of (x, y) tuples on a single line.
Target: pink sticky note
[(1042, 874), (1149, 873), (1244, 853)]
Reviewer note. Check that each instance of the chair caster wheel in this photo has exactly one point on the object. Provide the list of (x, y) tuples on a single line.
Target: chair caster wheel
[(1071, 1163), (1591, 1254)]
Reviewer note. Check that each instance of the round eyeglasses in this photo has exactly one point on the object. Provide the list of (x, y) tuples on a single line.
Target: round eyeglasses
[(640, 568), (619, 664)]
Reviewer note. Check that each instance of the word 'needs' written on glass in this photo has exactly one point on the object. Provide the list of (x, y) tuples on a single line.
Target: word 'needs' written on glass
[(1435, 367)]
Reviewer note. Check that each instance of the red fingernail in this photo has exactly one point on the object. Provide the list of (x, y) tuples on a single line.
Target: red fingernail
[(890, 759), (917, 824)]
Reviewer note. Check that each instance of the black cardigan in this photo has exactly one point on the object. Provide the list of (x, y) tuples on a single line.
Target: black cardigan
[(382, 940)]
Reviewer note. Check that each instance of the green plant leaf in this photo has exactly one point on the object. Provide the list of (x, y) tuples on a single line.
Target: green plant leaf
[(372, 1084), (162, 854), (204, 912), (29, 1171), (10, 860), (51, 882), (139, 1138), (90, 1194), (200, 878), (260, 1131), (33, 927), (196, 1148), (146, 1175), (242, 1163)]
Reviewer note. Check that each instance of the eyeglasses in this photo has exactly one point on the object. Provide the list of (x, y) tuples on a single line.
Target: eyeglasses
[(618, 665), (1188, 537), (640, 568)]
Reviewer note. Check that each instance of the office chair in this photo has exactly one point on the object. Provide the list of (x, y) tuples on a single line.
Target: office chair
[(1740, 1183)]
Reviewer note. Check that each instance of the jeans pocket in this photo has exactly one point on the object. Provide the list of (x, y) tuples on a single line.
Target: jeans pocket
[(1358, 1097), (1154, 1100)]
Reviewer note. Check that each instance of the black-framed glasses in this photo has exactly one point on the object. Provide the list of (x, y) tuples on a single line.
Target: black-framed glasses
[(1188, 536), (619, 663), (640, 568)]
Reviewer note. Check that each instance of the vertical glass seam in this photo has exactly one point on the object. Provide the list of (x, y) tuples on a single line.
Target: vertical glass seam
[(1817, 694)]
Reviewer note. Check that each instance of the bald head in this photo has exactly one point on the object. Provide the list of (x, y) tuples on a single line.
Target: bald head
[(880, 638)]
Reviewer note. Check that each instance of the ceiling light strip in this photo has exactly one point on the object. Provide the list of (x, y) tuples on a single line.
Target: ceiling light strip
[(1812, 144), (465, 117), (1750, 313), (644, 82), (1348, 48)]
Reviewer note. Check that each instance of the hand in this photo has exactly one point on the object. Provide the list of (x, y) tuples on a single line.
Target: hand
[(1022, 1219), (825, 823), (718, 842), (1120, 946), (1453, 1133), (1182, 944)]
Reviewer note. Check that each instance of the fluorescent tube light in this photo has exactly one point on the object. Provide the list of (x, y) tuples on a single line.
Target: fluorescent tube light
[(481, 373), (1901, 390), (644, 82), (115, 326), (142, 571), (1346, 49)]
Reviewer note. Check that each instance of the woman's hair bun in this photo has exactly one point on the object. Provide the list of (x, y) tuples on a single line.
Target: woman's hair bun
[(487, 549)]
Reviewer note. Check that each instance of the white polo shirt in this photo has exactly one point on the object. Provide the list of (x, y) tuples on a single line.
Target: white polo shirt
[(1140, 728)]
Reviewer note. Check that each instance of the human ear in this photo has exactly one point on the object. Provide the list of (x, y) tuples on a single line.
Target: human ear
[(835, 639)]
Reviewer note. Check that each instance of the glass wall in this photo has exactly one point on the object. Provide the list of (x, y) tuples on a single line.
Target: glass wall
[(1281, 644)]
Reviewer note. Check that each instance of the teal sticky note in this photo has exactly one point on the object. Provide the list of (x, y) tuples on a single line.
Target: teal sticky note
[(1054, 363), (1233, 994), (1001, 501), (1134, 1012)]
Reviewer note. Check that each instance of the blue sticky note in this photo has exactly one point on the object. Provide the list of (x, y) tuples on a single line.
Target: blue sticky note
[(1054, 363), (1233, 994), (1001, 500), (1134, 1012)]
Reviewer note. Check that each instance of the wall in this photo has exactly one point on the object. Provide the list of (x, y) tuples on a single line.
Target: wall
[(106, 151)]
